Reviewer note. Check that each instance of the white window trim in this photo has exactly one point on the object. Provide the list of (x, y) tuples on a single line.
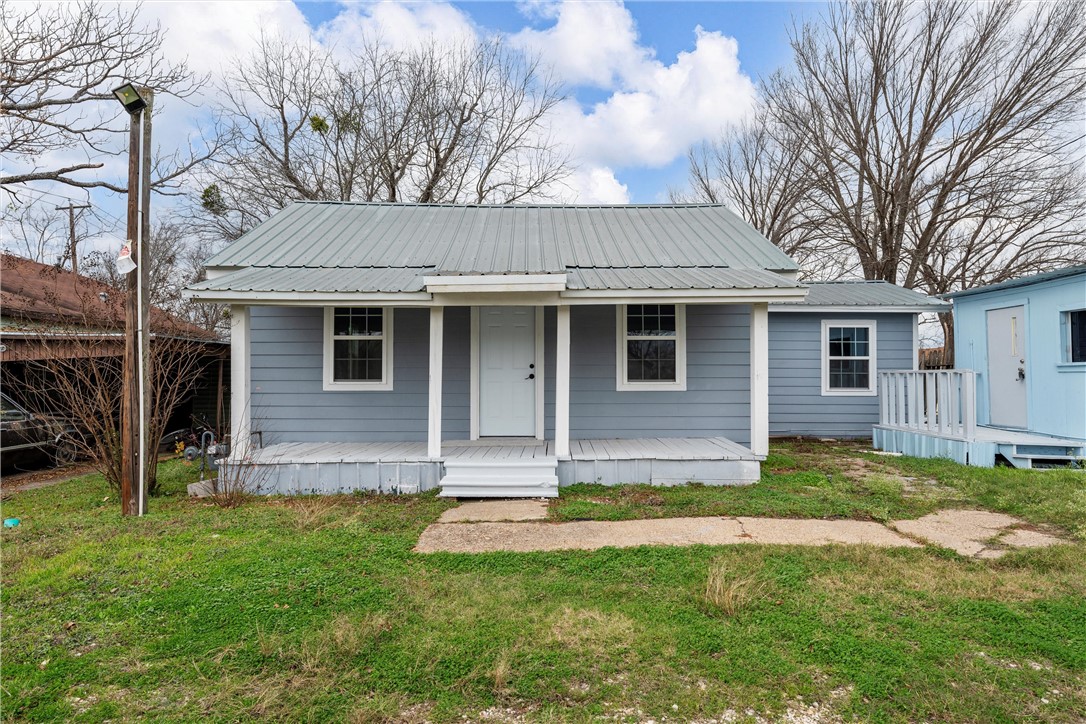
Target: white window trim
[(624, 385), (385, 384), (872, 367)]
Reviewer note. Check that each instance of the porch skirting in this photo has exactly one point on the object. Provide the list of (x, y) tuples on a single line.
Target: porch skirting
[(405, 467)]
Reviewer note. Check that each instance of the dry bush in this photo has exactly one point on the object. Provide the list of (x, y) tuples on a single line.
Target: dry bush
[(311, 509), (727, 594), (503, 669)]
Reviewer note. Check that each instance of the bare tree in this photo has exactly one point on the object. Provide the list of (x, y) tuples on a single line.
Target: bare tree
[(60, 64), (72, 362), (176, 258), (942, 141), (34, 232), (433, 125)]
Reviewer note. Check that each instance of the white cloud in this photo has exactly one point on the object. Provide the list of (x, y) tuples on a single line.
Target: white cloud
[(397, 25), (594, 185), (591, 43), (665, 109), (210, 34)]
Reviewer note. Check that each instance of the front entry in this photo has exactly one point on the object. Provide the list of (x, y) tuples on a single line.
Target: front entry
[(507, 371), (1007, 367)]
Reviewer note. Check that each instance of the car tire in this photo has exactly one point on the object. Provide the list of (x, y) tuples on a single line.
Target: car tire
[(65, 452)]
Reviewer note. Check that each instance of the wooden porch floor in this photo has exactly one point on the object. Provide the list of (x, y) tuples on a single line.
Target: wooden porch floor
[(653, 448)]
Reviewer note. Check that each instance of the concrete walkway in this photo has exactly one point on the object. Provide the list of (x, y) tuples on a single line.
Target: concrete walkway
[(484, 526)]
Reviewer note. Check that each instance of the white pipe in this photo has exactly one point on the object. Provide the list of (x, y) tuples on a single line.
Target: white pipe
[(141, 351)]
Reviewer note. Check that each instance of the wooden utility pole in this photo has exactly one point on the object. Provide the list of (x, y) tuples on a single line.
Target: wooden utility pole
[(134, 405), (71, 209)]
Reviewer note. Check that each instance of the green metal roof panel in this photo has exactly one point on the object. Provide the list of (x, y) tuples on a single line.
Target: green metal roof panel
[(676, 278), (502, 239), (1020, 282), (318, 279), (862, 293)]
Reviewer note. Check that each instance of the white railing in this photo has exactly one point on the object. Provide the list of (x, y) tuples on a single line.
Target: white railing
[(943, 402)]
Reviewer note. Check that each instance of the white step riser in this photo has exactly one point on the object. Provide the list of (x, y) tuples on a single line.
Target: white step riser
[(532, 478), (503, 491)]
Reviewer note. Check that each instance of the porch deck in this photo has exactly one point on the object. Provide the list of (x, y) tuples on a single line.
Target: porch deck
[(933, 415), (493, 466)]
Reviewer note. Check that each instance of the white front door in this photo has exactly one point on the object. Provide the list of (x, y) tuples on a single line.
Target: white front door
[(507, 371), (1007, 367)]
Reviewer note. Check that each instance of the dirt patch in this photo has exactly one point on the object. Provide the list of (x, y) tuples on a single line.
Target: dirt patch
[(34, 479)]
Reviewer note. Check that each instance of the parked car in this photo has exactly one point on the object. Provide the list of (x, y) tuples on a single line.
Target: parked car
[(28, 438)]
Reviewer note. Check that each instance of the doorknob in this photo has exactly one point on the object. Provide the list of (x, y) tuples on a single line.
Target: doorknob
[(1021, 373), (530, 377)]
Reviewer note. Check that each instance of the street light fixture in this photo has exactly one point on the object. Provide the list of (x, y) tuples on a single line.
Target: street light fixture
[(134, 408), (130, 98)]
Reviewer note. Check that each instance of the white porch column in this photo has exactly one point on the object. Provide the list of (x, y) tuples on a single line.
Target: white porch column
[(437, 343), (759, 378), (561, 385), (240, 382)]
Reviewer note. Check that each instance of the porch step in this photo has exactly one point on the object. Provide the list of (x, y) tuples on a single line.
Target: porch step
[(509, 478)]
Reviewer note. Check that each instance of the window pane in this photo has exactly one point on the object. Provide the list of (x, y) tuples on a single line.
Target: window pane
[(352, 321), (849, 341), (849, 374), (650, 320), (650, 360), (1078, 335), (357, 359)]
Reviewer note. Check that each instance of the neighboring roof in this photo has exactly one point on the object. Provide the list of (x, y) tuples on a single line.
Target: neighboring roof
[(866, 293), (1020, 282), (391, 246), (32, 293)]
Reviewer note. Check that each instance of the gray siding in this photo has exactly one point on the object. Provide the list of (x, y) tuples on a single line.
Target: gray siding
[(717, 396), (290, 404), (796, 403)]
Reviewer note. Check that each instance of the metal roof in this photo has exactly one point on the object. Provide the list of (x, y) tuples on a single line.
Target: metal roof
[(681, 278), (1021, 282), (864, 293), (503, 239), (318, 279)]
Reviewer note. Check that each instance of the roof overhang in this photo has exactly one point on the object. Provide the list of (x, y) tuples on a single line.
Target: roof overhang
[(466, 297), (864, 309), (494, 283)]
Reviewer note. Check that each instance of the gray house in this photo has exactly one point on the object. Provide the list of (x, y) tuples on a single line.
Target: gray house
[(504, 350), (825, 354)]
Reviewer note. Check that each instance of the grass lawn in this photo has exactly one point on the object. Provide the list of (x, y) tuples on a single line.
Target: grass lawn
[(315, 609)]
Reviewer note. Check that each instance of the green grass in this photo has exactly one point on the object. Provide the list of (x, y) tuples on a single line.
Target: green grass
[(316, 609)]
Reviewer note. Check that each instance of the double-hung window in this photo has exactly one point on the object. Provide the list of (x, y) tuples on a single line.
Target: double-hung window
[(651, 353), (357, 348), (848, 357)]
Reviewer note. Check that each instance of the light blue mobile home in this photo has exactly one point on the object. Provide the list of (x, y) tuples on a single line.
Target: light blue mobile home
[(1020, 391)]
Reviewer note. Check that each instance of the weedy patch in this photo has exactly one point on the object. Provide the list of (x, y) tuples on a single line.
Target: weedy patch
[(729, 594)]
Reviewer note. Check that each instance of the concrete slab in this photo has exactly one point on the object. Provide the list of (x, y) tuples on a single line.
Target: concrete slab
[(974, 533), (1020, 538), (592, 535), (495, 510), (823, 532)]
